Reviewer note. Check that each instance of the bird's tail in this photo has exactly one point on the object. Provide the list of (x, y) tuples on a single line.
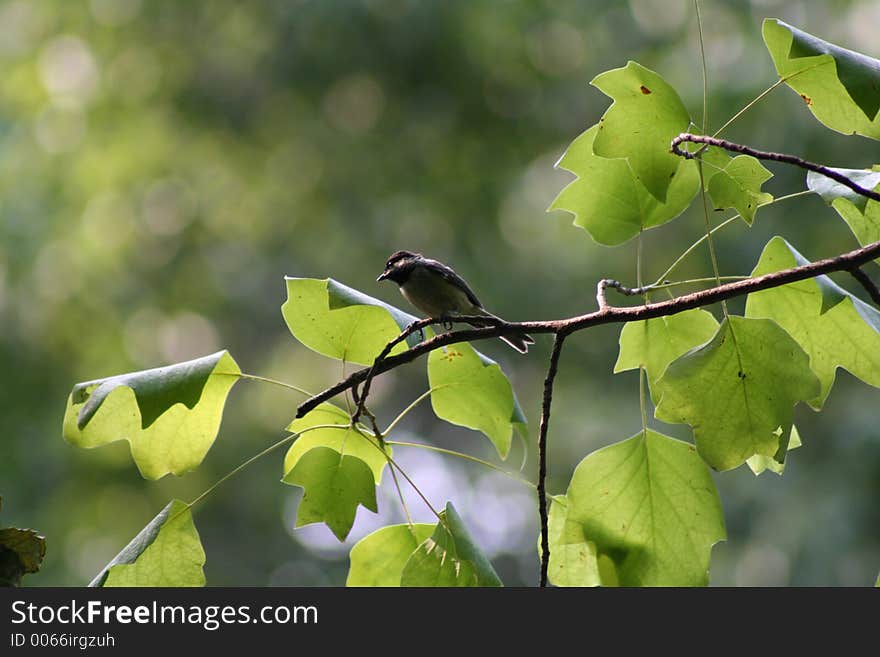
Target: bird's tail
[(520, 341)]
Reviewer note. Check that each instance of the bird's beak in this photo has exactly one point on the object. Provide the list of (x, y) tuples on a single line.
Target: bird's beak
[(382, 276)]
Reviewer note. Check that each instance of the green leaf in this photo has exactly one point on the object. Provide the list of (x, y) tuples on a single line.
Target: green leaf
[(21, 553), (470, 390), (738, 185), (169, 415), (609, 202), (737, 390), (640, 124), (449, 557), (835, 328), (830, 189), (861, 214), (649, 505), (379, 558), (759, 463), (571, 564), (345, 441), (340, 322), (654, 343), (334, 484), (864, 225), (841, 87), (167, 552)]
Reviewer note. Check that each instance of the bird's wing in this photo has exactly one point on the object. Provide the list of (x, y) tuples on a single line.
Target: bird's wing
[(448, 273)]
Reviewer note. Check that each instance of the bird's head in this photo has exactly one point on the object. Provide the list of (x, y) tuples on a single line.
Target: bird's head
[(399, 266)]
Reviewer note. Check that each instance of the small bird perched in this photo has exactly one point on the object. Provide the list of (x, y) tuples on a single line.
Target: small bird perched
[(436, 290)]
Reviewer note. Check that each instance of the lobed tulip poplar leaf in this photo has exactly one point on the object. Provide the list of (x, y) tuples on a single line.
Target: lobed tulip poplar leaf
[(736, 390), (167, 552), (169, 415), (641, 512), (840, 87)]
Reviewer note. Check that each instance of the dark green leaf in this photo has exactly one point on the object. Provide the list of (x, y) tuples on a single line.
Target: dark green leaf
[(21, 552)]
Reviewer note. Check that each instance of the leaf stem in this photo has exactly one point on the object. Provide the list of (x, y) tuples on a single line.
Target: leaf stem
[(393, 464), (229, 475), (726, 222), (409, 408), (704, 67), (264, 379), (464, 456), (748, 106)]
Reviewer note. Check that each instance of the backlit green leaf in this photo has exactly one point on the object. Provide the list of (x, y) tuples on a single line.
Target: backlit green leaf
[(649, 505), (841, 87), (609, 202), (378, 559), (835, 328), (470, 390), (449, 557), (738, 186), (654, 343), (760, 463), (334, 484), (571, 563), (361, 444), (737, 390), (340, 322), (645, 116), (169, 415), (167, 552)]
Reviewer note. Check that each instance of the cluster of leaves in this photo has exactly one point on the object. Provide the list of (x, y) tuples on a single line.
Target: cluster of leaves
[(642, 511), (171, 416)]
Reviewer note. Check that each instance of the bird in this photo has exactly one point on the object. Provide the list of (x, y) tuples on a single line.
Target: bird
[(436, 290)]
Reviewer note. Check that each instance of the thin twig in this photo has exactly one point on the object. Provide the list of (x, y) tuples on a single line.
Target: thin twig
[(542, 453), (766, 155), (867, 283), (606, 315), (419, 325), (361, 398)]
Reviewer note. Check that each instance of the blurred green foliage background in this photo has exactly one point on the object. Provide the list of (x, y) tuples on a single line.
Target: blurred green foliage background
[(164, 164)]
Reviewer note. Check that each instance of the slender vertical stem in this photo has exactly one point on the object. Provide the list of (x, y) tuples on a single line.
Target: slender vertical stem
[(705, 68), (542, 453)]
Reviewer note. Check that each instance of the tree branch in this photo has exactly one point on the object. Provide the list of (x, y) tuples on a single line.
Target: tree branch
[(765, 155), (542, 453), (866, 283), (607, 315)]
